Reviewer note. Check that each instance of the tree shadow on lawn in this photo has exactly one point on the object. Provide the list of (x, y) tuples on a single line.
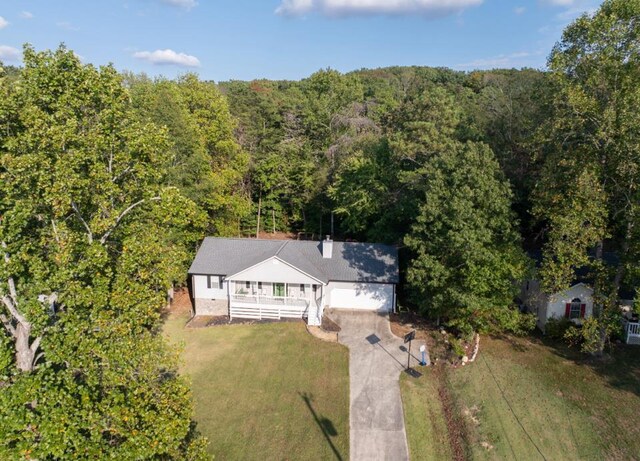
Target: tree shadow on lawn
[(619, 366), (325, 424), (517, 343)]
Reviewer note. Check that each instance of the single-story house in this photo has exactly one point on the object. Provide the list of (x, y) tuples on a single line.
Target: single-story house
[(575, 303), (274, 279)]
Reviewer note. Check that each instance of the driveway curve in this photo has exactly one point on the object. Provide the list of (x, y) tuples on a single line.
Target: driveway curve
[(376, 359)]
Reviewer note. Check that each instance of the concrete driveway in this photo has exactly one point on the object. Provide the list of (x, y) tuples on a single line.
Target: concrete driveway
[(375, 363)]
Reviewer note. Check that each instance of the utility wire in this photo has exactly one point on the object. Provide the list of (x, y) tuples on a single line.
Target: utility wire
[(511, 409)]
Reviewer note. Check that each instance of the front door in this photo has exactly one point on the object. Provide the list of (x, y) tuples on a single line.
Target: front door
[(278, 289)]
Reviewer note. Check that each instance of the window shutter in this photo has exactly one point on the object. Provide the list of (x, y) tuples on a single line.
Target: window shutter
[(567, 310), (583, 310), (209, 282)]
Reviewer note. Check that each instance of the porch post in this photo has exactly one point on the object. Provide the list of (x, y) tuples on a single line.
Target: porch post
[(229, 299)]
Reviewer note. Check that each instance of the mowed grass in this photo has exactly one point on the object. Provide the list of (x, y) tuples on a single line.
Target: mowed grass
[(424, 418), (266, 392), (523, 399)]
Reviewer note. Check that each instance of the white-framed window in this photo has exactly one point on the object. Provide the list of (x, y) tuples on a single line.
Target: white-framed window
[(213, 282), (576, 309), (302, 289), (247, 284), (259, 285)]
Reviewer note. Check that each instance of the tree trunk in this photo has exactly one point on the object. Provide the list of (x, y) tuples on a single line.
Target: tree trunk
[(617, 280), (599, 247), (25, 354), (259, 210), (598, 305), (332, 233), (273, 218)]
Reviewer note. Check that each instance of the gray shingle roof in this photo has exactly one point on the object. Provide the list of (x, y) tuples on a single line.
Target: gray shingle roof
[(350, 262)]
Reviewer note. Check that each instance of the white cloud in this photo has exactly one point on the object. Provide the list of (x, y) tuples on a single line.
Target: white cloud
[(519, 10), (500, 61), (3, 22), (9, 53), (26, 15), (563, 2), (66, 25), (372, 7), (186, 4), (573, 12), (167, 57)]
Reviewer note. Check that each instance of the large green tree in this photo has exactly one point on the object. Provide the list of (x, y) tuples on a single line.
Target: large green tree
[(91, 240), (206, 162), (466, 261), (589, 192)]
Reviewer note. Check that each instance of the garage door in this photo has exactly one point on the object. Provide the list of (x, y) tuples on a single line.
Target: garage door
[(369, 296)]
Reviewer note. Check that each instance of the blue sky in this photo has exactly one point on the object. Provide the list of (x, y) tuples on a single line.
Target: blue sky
[(289, 39)]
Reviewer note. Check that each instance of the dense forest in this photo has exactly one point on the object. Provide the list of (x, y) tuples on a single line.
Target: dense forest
[(109, 181)]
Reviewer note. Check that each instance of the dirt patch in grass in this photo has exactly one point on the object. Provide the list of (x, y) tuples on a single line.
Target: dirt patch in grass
[(426, 423), (437, 343), (181, 304), (402, 323), (277, 236), (455, 424), (201, 321)]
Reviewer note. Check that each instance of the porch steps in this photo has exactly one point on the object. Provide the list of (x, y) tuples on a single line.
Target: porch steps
[(313, 318)]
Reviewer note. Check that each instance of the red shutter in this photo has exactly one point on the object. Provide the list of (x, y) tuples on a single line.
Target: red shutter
[(567, 310), (583, 309)]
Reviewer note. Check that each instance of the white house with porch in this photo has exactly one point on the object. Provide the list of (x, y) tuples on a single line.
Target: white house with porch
[(576, 303), (276, 279)]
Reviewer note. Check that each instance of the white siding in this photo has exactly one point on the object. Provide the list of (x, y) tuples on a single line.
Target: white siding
[(200, 290), (548, 306), (557, 303), (274, 270), (367, 296)]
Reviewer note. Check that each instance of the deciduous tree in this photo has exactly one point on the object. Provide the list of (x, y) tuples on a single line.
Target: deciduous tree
[(91, 240), (589, 192)]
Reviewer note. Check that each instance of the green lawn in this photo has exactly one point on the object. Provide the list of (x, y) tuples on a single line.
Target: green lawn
[(424, 418), (527, 400), (268, 391)]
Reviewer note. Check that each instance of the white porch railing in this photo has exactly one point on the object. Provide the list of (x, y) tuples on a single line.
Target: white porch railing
[(266, 307), (633, 333), (274, 300)]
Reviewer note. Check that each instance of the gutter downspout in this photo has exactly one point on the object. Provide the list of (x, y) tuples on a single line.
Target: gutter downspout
[(395, 304)]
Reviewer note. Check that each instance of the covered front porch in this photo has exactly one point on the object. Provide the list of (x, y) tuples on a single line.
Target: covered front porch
[(254, 299)]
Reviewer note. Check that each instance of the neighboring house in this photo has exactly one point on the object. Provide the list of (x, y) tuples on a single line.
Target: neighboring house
[(274, 279), (575, 304)]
